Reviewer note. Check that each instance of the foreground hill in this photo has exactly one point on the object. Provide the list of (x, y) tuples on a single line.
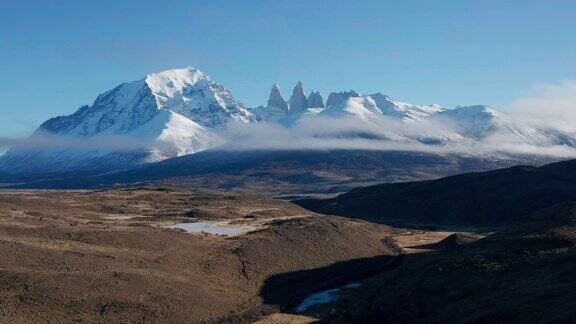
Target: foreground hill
[(109, 256), (524, 274), (116, 256), (486, 199)]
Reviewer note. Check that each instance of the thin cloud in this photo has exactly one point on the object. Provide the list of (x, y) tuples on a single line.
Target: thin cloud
[(382, 134), (550, 104), (53, 142)]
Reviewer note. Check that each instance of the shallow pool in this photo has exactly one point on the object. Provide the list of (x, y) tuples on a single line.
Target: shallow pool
[(214, 227), (323, 297)]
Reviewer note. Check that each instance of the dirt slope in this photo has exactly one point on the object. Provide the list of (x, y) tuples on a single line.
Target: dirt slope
[(524, 274), (105, 256)]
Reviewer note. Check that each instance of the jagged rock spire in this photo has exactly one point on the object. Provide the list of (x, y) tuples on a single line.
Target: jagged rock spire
[(276, 100), (298, 102), (315, 100)]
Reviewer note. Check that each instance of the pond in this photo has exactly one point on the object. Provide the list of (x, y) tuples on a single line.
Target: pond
[(214, 227), (322, 297)]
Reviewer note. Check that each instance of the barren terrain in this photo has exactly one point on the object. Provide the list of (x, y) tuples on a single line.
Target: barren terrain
[(107, 255)]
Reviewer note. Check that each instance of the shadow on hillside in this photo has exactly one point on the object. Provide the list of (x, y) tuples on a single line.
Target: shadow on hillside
[(287, 289), (283, 292)]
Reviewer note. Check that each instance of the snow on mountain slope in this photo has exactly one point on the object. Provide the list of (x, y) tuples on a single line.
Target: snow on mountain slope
[(174, 108), (187, 91), (474, 121), (370, 106), (363, 107), (474, 129), (116, 111), (172, 134), (168, 86), (167, 135), (192, 94), (487, 124), (403, 110)]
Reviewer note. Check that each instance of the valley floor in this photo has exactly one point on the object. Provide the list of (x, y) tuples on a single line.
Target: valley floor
[(119, 256), (110, 255)]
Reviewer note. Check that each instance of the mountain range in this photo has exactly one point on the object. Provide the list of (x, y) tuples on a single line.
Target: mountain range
[(181, 112)]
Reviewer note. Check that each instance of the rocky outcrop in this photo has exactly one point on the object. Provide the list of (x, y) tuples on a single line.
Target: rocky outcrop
[(276, 108), (338, 97), (276, 100), (298, 102), (315, 100)]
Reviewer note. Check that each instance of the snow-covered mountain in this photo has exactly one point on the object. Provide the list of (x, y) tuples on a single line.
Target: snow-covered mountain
[(474, 129), (342, 104), (377, 105), (182, 111), (188, 92), (393, 108), (483, 123), (166, 114)]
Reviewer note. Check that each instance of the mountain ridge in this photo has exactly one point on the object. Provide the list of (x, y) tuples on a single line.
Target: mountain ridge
[(201, 111), (477, 199)]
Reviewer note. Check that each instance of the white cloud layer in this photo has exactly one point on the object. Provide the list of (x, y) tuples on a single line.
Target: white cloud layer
[(550, 104), (53, 142), (380, 134)]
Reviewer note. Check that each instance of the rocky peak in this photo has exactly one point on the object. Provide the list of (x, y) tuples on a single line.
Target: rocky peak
[(298, 102), (315, 100), (339, 97), (276, 100), (188, 92)]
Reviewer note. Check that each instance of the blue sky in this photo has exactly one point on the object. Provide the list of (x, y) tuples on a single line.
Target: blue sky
[(56, 56)]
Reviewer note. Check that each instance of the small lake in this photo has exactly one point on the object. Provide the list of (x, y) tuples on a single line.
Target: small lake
[(323, 297), (214, 227)]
